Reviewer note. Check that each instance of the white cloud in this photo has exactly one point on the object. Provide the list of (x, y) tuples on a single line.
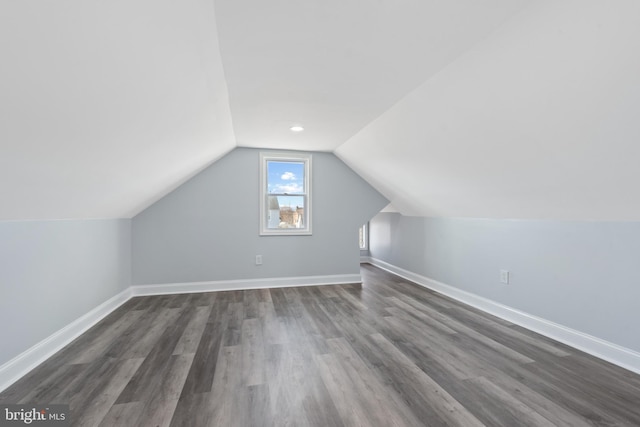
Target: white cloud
[(288, 188), (288, 176)]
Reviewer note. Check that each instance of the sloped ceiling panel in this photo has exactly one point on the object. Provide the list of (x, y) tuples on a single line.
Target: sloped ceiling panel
[(107, 105), (540, 120)]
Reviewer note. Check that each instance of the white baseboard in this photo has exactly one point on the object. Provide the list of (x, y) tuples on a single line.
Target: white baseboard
[(618, 355), (20, 365), (235, 285)]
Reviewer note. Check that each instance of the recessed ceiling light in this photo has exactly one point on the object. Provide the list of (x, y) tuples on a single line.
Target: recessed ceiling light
[(296, 128)]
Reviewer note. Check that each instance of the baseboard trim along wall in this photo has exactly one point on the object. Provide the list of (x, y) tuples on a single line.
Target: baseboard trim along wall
[(618, 355), (237, 285), (20, 365)]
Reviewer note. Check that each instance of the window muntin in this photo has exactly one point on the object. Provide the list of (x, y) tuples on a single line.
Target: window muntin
[(285, 194)]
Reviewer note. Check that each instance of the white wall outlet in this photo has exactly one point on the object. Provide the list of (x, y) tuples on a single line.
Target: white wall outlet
[(504, 276), (258, 259)]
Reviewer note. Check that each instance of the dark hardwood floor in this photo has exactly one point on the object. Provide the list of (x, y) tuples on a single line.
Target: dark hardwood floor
[(388, 354)]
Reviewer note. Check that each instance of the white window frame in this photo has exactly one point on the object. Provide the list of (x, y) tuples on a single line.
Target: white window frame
[(264, 193), (366, 236)]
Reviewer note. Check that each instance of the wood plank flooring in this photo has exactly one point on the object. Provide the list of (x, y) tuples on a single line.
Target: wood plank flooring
[(389, 353)]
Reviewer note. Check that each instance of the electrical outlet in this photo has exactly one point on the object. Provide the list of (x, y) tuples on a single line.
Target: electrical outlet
[(258, 259), (504, 276)]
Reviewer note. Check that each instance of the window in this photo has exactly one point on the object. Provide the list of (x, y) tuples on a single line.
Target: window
[(285, 194), (363, 238)]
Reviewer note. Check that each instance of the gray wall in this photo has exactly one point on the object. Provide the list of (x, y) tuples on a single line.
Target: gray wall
[(53, 272), (584, 275), (207, 229)]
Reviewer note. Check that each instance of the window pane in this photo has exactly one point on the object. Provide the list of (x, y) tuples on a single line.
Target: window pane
[(285, 212), (285, 177)]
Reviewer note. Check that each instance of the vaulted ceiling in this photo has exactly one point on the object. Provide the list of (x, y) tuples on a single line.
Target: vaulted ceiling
[(492, 108)]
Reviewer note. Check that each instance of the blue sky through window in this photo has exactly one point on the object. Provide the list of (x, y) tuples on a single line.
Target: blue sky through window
[(285, 177)]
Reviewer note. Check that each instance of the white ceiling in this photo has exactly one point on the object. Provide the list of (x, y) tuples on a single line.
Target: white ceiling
[(492, 108), (106, 105), (335, 65), (540, 120)]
